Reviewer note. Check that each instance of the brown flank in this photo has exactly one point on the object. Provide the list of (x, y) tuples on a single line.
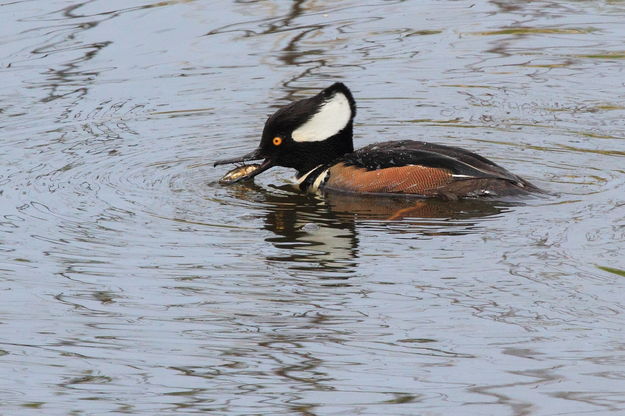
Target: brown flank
[(413, 179)]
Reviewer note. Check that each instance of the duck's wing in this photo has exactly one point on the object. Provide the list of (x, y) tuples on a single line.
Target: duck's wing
[(414, 167), (460, 162)]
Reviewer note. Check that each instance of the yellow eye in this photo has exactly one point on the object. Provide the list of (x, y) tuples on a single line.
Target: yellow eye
[(277, 141)]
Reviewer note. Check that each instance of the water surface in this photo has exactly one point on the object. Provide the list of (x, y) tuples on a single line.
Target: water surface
[(133, 282)]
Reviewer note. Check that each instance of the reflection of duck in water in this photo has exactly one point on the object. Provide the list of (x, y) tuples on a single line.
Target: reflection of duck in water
[(291, 210), (314, 136), (376, 207), (322, 235)]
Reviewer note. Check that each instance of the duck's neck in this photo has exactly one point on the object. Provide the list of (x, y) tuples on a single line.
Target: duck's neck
[(314, 154)]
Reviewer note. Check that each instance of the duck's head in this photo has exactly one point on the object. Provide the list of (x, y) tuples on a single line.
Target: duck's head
[(306, 133)]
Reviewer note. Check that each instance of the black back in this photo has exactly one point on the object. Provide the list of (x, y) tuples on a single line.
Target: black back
[(409, 152)]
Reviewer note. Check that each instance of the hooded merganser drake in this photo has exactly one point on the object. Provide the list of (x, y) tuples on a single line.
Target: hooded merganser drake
[(314, 136)]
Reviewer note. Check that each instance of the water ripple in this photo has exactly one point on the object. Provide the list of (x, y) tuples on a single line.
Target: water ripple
[(134, 282)]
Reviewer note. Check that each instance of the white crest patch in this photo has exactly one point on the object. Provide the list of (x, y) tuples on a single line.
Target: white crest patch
[(331, 118)]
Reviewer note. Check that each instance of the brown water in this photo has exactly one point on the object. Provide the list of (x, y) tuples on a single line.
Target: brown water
[(132, 282)]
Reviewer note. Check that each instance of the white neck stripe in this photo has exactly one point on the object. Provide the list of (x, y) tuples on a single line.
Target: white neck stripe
[(301, 179)]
